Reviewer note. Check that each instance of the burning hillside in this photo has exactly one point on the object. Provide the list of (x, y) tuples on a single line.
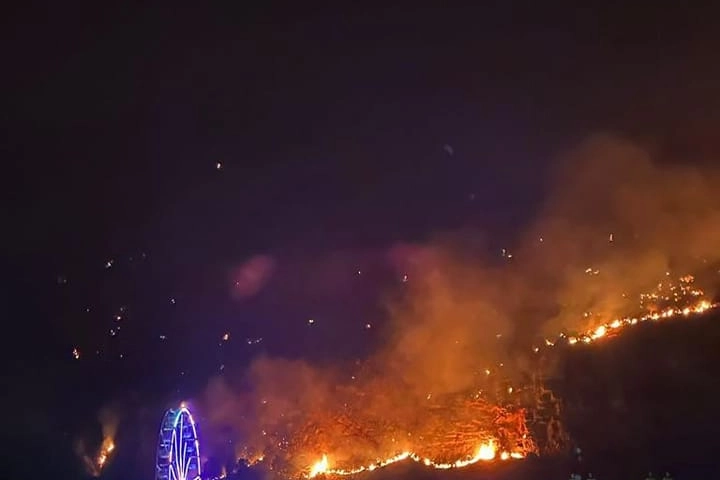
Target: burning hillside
[(455, 381), (378, 426)]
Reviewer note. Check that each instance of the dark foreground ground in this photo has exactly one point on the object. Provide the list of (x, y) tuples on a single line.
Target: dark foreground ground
[(644, 401)]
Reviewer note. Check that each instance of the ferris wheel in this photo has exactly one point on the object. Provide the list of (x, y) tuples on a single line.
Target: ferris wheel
[(178, 452)]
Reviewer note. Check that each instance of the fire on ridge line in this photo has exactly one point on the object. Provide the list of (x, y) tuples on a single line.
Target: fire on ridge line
[(486, 452), (620, 323)]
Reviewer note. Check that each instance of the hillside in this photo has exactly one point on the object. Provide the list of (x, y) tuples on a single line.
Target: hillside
[(645, 400)]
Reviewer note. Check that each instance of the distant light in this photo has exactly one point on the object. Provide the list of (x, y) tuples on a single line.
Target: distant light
[(218, 166), (311, 321)]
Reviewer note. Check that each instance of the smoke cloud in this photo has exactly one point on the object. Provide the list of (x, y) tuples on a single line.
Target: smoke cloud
[(251, 276), (614, 225)]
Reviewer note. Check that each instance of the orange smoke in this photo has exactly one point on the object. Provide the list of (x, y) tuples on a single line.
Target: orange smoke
[(446, 388)]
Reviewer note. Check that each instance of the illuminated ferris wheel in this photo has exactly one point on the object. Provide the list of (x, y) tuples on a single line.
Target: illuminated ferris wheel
[(178, 453)]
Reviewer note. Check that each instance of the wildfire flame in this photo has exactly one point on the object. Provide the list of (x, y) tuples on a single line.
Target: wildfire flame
[(107, 447), (618, 324), (488, 451), (485, 452), (319, 467)]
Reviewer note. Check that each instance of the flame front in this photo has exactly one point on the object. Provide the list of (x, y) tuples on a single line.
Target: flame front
[(617, 324), (485, 452), (320, 467)]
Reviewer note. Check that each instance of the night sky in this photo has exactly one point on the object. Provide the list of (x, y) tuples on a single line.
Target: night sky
[(150, 153)]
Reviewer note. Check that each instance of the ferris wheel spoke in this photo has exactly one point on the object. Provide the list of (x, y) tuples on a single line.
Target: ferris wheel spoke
[(178, 455), (184, 461), (187, 467)]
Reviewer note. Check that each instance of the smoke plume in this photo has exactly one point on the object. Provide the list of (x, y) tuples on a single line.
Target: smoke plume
[(614, 225)]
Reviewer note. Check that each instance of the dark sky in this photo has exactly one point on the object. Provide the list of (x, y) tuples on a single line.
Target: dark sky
[(330, 125), (116, 117)]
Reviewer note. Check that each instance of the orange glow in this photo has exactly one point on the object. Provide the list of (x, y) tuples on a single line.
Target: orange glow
[(486, 452), (106, 449), (319, 468), (618, 324)]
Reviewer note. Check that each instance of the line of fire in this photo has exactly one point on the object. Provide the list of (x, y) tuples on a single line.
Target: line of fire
[(506, 417)]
